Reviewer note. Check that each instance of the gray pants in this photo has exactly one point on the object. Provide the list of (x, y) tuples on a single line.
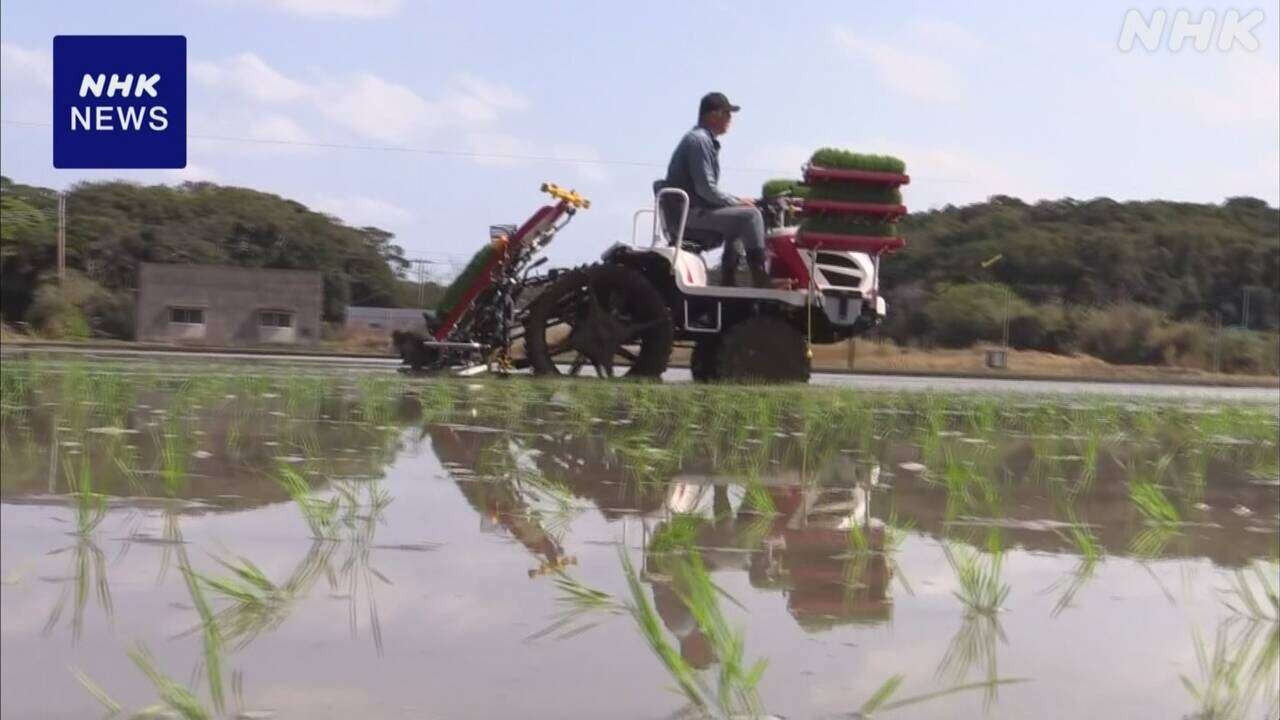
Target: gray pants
[(738, 224)]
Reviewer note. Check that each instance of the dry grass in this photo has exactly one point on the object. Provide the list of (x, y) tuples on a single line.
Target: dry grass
[(353, 340), (876, 357), (872, 357), (9, 332)]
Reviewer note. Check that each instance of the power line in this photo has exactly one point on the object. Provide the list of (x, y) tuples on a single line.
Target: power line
[(466, 154)]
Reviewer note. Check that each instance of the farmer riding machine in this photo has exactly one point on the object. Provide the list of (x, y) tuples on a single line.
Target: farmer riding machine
[(622, 316)]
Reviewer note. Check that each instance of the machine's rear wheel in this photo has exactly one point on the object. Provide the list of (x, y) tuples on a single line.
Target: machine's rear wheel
[(763, 349), (600, 317)]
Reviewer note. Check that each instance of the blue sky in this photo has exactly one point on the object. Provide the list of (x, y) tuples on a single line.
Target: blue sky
[(1027, 99)]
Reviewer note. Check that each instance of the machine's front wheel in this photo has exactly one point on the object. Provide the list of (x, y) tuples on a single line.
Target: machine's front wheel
[(603, 317), (763, 349)]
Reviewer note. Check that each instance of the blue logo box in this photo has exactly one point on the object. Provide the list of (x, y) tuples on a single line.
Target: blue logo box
[(119, 101)]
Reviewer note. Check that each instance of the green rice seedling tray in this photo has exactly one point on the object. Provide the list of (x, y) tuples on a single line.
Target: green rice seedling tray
[(855, 193), (820, 174), (814, 207), (838, 159), (481, 262), (784, 186), (844, 224)]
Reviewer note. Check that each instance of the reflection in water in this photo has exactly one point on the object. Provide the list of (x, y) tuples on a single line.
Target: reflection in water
[(87, 568), (811, 503), (1241, 666)]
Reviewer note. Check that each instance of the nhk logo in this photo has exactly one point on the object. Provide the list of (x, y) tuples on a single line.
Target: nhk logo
[(120, 101)]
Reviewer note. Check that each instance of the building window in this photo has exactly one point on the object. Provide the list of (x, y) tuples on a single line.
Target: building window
[(272, 318), (186, 316)]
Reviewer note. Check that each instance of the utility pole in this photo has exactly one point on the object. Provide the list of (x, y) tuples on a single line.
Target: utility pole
[(1244, 304), (1217, 342), (1008, 298), (62, 239), (420, 275), (1008, 294)]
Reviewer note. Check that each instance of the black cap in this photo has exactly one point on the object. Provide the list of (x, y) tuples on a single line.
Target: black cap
[(716, 101)]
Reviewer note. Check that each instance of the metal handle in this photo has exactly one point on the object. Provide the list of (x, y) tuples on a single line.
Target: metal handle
[(684, 218)]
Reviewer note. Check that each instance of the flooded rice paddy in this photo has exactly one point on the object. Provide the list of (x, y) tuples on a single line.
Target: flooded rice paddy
[(225, 541)]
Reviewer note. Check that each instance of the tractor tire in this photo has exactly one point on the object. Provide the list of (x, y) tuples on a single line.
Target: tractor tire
[(763, 349), (702, 362), (607, 310)]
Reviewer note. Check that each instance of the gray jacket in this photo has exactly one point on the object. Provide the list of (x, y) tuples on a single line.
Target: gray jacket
[(695, 168)]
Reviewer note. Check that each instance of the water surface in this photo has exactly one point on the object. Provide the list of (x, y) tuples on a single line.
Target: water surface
[(423, 549)]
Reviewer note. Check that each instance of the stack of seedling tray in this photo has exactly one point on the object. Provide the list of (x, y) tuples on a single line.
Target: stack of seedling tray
[(853, 202)]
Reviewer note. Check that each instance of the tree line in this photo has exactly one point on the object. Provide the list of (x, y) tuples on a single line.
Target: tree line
[(1069, 274), (111, 227), (1146, 282)]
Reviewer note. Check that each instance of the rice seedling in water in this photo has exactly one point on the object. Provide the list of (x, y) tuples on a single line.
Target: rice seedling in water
[(1089, 550), (978, 575), (1089, 449), (175, 446), (176, 700), (758, 498), (173, 695), (1160, 515), (361, 519), (975, 644), (110, 705), (88, 507), (678, 534), (1252, 672), (320, 515), (211, 636), (254, 603), (89, 569), (1236, 672), (881, 699), (579, 602), (1255, 603), (1151, 502), (734, 694)]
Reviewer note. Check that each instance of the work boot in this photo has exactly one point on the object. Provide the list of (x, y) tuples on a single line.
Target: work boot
[(729, 274), (759, 276)]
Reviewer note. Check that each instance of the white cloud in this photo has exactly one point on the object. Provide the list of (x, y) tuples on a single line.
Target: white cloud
[(20, 66), (780, 160), (375, 108), (948, 175), (554, 158), (945, 34), (1244, 91), (278, 128), (366, 104), (194, 172), (370, 106), (479, 101), (359, 9), (497, 143), (587, 171), (359, 210), (250, 75), (915, 74)]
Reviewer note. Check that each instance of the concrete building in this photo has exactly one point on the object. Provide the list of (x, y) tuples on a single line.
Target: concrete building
[(219, 305), (381, 321)]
